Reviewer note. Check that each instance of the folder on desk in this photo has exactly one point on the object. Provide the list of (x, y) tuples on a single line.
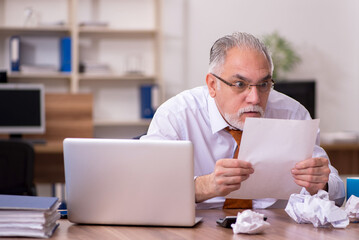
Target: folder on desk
[(28, 216), (15, 53)]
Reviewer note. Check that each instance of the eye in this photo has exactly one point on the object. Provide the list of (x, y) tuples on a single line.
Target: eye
[(263, 85), (241, 84)]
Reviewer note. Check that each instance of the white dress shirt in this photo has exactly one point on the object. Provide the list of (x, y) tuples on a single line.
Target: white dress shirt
[(193, 115)]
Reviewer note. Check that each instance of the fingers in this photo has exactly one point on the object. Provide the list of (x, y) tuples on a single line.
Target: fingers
[(312, 162), (228, 172), (226, 189), (233, 163), (231, 180), (225, 185), (233, 168), (312, 178), (312, 188), (312, 174), (228, 175), (312, 169)]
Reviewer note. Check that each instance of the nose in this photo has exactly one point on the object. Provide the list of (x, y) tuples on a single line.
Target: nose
[(253, 95)]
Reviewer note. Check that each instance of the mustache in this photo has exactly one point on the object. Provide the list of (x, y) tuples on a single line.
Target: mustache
[(253, 108)]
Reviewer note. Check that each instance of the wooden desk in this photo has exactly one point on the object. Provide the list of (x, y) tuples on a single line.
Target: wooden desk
[(282, 227)]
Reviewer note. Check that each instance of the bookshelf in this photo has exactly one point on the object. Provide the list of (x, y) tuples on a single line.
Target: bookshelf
[(13, 30), (30, 76), (129, 33)]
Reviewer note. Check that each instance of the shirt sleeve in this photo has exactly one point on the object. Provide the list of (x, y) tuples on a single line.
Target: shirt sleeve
[(164, 126)]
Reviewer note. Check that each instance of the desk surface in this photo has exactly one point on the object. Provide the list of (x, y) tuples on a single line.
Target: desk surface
[(282, 227), (49, 148)]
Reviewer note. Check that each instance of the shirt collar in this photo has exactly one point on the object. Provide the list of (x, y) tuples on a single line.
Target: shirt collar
[(215, 118)]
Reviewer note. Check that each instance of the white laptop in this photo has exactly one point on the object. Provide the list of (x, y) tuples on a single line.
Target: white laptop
[(129, 182)]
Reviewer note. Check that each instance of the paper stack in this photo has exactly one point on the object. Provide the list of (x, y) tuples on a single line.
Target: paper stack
[(28, 216)]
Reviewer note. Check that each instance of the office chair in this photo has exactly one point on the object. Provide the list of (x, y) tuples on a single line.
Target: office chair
[(16, 168)]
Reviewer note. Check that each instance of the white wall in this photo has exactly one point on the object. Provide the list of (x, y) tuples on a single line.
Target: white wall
[(324, 32)]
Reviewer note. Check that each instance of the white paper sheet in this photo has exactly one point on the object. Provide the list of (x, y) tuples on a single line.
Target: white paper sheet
[(274, 146)]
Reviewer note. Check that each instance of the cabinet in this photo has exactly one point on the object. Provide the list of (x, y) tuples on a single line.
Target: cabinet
[(123, 35), (344, 157)]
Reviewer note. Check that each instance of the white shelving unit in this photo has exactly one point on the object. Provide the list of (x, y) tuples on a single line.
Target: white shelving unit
[(133, 33)]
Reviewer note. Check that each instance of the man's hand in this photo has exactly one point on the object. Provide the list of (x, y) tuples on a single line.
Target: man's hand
[(312, 173), (226, 177)]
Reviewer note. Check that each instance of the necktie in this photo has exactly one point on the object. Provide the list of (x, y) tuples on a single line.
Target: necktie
[(236, 203)]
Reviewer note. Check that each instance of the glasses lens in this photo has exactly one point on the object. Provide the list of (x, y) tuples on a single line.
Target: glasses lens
[(241, 86), (263, 87)]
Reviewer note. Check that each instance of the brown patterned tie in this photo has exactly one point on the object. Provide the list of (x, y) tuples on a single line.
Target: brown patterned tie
[(236, 203)]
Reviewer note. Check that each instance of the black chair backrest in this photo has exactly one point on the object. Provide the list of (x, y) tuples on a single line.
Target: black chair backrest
[(16, 168)]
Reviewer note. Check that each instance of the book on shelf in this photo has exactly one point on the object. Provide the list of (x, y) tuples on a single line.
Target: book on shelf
[(28, 216), (149, 100), (65, 54), (15, 53)]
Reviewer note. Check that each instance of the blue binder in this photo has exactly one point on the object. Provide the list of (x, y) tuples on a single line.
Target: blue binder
[(15, 53), (35, 203), (147, 110), (65, 54)]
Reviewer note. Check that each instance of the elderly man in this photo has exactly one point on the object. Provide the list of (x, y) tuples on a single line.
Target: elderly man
[(239, 85)]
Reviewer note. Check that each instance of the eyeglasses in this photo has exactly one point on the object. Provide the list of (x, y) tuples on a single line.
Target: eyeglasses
[(241, 86)]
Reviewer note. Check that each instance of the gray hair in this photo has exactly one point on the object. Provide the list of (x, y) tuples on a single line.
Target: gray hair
[(219, 49)]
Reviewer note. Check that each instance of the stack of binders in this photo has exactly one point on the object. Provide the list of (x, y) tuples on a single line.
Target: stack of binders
[(28, 216)]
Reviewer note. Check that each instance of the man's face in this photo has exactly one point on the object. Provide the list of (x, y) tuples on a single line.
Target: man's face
[(246, 65)]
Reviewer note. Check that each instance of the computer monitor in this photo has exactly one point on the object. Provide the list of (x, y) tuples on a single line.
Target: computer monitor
[(303, 92), (22, 109)]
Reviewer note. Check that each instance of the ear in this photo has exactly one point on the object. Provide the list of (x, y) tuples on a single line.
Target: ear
[(211, 84)]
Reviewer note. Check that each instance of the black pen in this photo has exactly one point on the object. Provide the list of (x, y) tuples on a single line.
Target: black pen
[(227, 221)]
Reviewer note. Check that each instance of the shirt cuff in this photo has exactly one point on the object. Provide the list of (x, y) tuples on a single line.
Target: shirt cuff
[(336, 191)]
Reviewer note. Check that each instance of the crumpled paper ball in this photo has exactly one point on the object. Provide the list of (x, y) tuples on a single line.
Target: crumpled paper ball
[(352, 208), (249, 222), (316, 209)]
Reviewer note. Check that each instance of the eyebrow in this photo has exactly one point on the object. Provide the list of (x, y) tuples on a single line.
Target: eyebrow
[(238, 76)]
